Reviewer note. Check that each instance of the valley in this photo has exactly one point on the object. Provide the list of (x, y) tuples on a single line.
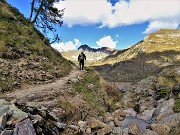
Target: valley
[(135, 91)]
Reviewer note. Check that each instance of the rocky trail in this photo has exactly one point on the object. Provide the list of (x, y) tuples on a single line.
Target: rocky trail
[(45, 92), (141, 111)]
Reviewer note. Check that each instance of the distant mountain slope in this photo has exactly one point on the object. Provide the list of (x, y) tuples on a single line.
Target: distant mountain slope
[(163, 40), (147, 57), (26, 56), (91, 54), (102, 49)]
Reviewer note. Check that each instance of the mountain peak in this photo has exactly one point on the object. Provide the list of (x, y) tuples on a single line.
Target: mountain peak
[(107, 50)]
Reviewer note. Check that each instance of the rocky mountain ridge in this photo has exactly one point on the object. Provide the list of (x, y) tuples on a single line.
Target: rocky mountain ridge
[(102, 49), (158, 50)]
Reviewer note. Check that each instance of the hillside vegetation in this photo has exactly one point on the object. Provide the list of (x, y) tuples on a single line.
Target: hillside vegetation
[(162, 40), (25, 54), (156, 51)]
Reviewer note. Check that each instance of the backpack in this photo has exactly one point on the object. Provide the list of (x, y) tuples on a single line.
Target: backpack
[(81, 57)]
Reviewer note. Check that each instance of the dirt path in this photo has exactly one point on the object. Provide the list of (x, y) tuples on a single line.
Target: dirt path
[(46, 92)]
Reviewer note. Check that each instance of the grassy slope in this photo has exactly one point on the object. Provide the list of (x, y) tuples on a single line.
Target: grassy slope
[(158, 50), (21, 44), (163, 40)]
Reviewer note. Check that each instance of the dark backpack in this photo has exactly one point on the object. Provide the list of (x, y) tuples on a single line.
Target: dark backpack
[(81, 57)]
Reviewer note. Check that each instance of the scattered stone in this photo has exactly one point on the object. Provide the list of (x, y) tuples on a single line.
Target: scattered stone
[(108, 117), (106, 130), (147, 114), (117, 131), (88, 130), (3, 120), (95, 124), (171, 120), (117, 122), (134, 129), (82, 126), (92, 87), (72, 80), (150, 132), (130, 112), (160, 129), (7, 132), (73, 127), (37, 119), (60, 125)]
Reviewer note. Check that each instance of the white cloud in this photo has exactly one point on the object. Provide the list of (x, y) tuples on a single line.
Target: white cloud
[(156, 25), (106, 42), (67, 45), (85, 12)]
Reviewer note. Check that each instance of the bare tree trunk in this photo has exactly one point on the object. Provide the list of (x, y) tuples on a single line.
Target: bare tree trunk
[(38, 11), (32, 9)]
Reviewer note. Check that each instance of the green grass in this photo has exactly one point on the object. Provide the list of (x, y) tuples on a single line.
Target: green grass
[(6, 84), (177, 105), (93, 98)]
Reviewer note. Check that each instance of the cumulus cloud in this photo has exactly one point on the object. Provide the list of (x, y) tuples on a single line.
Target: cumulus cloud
[(156, 25), (84, 12), (70, 45), (106, 42)]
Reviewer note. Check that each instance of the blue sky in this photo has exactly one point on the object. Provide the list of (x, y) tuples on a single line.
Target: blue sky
[(110, 23)]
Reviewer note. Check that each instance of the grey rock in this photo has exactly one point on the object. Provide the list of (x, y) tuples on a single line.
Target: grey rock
[(25, 127), (164, 109), (150, 132), (95, 123), (82, 126), (3, 120), (72, 80), (140, 123), (17, 115), (146, 115), (117, 131), (60, 125), (7, 132), (37, 119), (171, 120), (106, 130), (160, 129), (73, 127)]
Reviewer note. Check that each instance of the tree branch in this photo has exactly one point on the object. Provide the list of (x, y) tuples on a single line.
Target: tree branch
[(32, 9), (38, 11)]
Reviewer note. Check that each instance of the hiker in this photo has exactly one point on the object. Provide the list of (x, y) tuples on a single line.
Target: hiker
[(81, 59)]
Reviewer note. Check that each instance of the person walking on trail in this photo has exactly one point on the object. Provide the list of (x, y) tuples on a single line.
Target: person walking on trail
[(81, 59)]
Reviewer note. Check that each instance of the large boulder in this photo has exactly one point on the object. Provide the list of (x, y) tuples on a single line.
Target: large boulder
[(95, 124), (106, 130), (160, 129), (173, 121), (164, 109), (134, 129), (17, 115), (25, 127)]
